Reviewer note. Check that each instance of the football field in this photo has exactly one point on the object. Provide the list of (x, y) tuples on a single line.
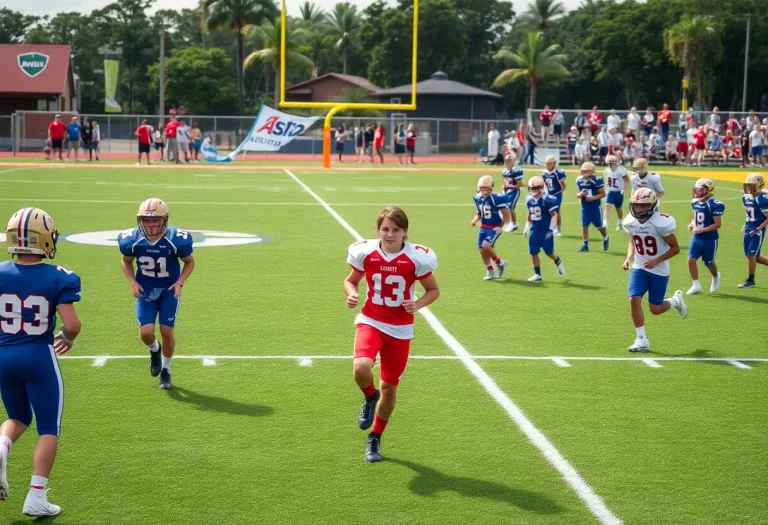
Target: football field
[(520, 403)]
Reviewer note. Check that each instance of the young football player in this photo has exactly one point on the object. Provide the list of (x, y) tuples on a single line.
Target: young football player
[(31, 294), (642, 178), (513, 181), (391, 266), (542, 222), (555, 181), (591, 193), (158, 279), (756, 206), (618, 181), (707, 219), (651, 243), (494, 217)]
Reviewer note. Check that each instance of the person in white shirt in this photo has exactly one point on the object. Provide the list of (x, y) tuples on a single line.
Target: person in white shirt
[(604, 141), (182, 136), (642, 178), (690, 137), (653, 141), (613, 120), (670, 150), (648, 120), (617, 139), (513, 144), (633, 122), (713, 122), (752, 119), (493, 142), (756, 145)]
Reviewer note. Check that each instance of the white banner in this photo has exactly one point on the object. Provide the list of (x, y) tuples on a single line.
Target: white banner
[(274, 129)]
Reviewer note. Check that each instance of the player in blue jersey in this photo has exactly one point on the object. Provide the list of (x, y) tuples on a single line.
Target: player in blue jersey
[(493, 214), (756, 206), (31, 294), (591, 193), (156, 285), (555, 181), (513, 181), (542, 221), (707, 219)]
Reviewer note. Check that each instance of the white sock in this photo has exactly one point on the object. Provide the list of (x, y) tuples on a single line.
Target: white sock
[(640, 331), (166, 362), (605, 238), (5, 444), (37, 485), (672, 301), (697, 283), (154, 347)]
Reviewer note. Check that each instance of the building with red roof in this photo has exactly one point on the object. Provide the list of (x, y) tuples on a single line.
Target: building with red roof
[(326, 87), (36, 78)]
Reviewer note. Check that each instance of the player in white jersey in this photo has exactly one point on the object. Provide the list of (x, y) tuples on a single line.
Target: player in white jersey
[(651, 243), (617, 180), (642, 178), (391, 266)]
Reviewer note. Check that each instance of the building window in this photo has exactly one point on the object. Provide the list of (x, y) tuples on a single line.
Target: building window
[(42, 104), (395, 100)]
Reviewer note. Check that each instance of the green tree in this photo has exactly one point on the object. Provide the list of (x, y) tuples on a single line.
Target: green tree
[(540, 14), (199, 79), (14, 25), (343, 25), (694, 44), (389, 45), (316, 46), (438, 18), (356, 95), (311, 16), (533, 62), (266, 40), (235, 15)]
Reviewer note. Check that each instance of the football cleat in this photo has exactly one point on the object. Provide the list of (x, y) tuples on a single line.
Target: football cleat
[(373, 448), (618, 227), (606, 244), (583, 248), (367, 411), (641, 344), (536, 278), (39, 506), (747, 284), (155, 363), (715, 283), (515, 227), (681, 307), (561, 269), (558, 233), (502, 268), (4, 489), (165, 379), (696, 288), (489, 276)]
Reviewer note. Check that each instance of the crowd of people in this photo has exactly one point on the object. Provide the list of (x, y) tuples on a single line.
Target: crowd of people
[(369, 142), (71, 138)]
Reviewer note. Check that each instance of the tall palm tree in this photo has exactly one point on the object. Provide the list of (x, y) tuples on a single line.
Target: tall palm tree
[(235, 15), (540, 13), (312, 16), (316, 46), (266, 39), (532, 62), (689, 40), (343, 25), (356, 95)]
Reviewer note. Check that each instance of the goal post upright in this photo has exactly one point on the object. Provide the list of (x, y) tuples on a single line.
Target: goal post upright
[(335, 107)]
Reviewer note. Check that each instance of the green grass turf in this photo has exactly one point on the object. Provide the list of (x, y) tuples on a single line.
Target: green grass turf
[(257, 441)]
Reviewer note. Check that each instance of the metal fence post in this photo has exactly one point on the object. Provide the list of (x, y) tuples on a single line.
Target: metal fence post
[(438, 136), (109, 133)]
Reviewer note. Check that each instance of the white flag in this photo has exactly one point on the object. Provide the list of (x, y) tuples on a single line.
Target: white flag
[(274, 129)]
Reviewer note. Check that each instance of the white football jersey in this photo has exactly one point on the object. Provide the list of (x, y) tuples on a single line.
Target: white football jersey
[(651, 180), (615, 178), (649, 240)]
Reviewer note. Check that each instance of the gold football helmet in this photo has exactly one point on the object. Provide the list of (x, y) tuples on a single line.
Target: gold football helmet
[(756, 182), (152, 209), (703, 189), (536, 185), (645, 197), (612, 161), (485, 183), (588, 168), (30, 231), (640, 166)]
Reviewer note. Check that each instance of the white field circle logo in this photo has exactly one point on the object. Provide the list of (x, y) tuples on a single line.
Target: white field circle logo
[(2, 237), (200, 238)]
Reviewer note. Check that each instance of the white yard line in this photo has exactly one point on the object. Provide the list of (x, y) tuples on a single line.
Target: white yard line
[(739, 364), (583, 490), (100, 361), (652, 363), (562, 363), (209, 361)]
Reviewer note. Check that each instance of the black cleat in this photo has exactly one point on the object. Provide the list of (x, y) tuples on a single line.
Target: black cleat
[(154, 361), (367, 411), (165, 379), (373, 448), (747, 284)]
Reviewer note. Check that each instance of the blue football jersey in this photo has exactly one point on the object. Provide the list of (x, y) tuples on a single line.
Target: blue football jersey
[(490, 208), (553, 180), (704, 214), (540, 209), (29, 295), (592, 185), (756, 208), (157, 264), (510, 178)]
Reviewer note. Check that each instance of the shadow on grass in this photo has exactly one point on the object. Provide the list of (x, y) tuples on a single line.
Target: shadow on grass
[(218, 404), (699, 352), (429, 482), (36, 521), (745, 298)]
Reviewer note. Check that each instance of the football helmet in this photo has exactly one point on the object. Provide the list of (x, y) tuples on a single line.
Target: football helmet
[(640, 166), (612, 161), (550, 163), (154, 209), (643, 197), (30, 231), (703, 189), (536, 185), (756, 182), (588, 169)]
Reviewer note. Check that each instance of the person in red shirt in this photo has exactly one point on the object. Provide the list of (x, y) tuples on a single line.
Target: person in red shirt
[(663, 119), (729, 144), (732, 124), (56, 131), (391, 266), (378, 141), (410, 143), (172, 143), (595, 118), (701, 144), (144, 132), (546, 121)]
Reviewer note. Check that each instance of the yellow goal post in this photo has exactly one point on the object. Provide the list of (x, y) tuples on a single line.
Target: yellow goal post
[(335, 107)]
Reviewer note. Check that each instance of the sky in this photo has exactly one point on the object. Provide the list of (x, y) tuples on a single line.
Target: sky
[(48, 7)]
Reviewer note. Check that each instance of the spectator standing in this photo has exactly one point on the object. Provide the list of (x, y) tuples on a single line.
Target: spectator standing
[(183, 137), (358, 137), (681, 122), (197, 141), (713, 122), (648, 120), (580, 122), (368, 141), (172, 111), (633, 123), (56, 131), (604, 142), (531, 146), (616, 143), (558, 121), (752, 119), (95, 138), (340, 137), (546, 122), (595, 118), (400, 143), (571, 140), (144, 132), (745, 131), (581, 151), (613, 120), (158, 138), (410, 142), (74, 136), (664, 119), (700, 137), (378, 141), (493, 142), (171, 134), (756, 143), (682, 145), (690, 138), (87, 137), (653, 142), (594, 148), (732, 125)]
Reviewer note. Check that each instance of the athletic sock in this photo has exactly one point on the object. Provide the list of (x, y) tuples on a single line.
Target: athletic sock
[(5, 443), (537, 270), (154, 347), (558, 261), (497, 260), (369, 391), (489, 267), (379, 425), (585, 243), (166, 363), (605, 238), (640, 331), (37, 485), (697, 283), (751, 277)]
